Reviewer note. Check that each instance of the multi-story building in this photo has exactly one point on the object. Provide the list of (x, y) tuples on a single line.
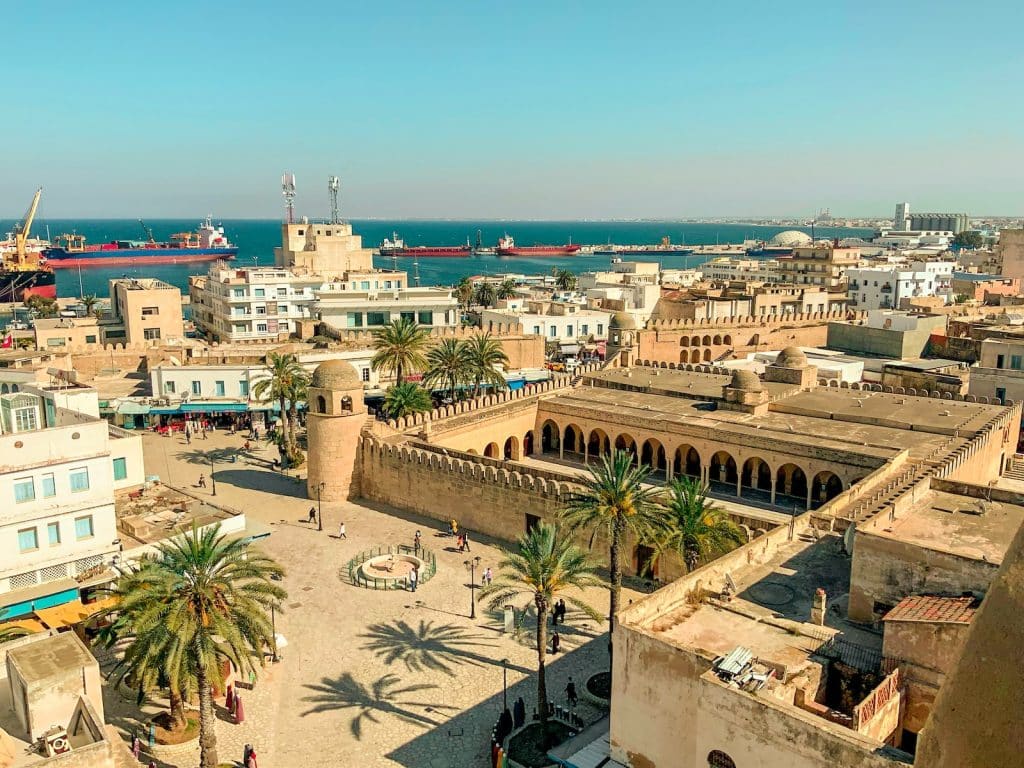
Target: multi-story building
[(327, 248), (555, 321), (631, 287), (727, 270), (143, 310), (373, 298), (822, 264), (62, 465), (943, 222), (901, 221), (893, 287), (1010, 253)]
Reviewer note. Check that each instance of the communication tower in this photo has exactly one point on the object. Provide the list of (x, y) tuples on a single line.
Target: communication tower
[(333, 185), (288, 190)]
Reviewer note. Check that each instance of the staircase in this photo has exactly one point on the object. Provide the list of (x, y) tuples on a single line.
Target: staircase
[(1015, 468)]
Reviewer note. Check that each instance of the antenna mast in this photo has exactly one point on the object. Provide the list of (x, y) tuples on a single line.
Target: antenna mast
[(333, 185), (288, 190)]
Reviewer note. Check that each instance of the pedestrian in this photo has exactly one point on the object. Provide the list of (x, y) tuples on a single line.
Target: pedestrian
[(252, 759), (462, 544), (455, 527), (556, 642), (152, 764), (136, 746), (519, 713), (414, 577), (416, 544), (560, 608), (206, 432), (188, 436), (465, 540), (256, 433), (570, 693), (487, 575), (202, 481), (312, 515), (246, 751), (341, 531)]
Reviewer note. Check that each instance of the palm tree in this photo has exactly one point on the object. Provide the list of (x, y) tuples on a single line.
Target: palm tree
[(284, 375), (399, 348), (694, 528), (12, 633), (299, 393), (545, 566), (484, 294), (209, 597), (615, 502), (448, 365), (406, 399), (464, 292), (565, 280), (484, 353), (507, 290), (89, 301)]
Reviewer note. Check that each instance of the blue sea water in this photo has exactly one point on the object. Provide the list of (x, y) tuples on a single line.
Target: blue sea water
[(256, 239)]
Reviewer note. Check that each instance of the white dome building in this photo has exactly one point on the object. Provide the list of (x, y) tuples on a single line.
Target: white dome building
[(791, 238)]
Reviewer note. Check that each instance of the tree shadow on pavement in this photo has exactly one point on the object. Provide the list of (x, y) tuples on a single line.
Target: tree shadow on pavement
[(382, 697), (438, 648)]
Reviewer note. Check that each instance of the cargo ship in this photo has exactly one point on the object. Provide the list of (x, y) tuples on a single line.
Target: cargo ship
[(23, 271), (208, 243), (397, 247), (507, 247)]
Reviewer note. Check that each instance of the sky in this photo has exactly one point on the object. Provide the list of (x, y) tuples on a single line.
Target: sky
[(485, 109)]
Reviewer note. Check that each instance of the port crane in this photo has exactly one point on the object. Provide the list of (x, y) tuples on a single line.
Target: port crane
[(24, 227), (147, 231)]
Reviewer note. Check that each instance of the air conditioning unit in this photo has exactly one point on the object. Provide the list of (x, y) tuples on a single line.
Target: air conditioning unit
[(56, 741)]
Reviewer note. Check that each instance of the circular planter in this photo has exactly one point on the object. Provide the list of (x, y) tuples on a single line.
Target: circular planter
[(390, 570), (600, 682)]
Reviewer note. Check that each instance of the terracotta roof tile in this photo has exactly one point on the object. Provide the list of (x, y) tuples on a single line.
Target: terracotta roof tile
[(955, 610)]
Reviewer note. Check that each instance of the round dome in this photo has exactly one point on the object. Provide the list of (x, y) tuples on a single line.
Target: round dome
[(622, 321), (791, 238), (335, 374), (791, 357), (745, 380)]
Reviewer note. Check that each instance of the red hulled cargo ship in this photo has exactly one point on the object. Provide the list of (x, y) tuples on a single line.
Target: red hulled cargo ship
[(507, 247)]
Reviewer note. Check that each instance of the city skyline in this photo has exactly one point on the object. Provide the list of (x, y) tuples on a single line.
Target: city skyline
[(533, 112)]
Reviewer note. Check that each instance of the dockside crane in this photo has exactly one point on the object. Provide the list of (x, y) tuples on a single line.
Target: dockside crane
[(24, 227), (147, 231)]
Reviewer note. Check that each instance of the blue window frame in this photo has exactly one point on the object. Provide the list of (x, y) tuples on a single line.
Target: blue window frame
[(120, 468), (83, 527), (79, 480), (28, 539), (24, 490)]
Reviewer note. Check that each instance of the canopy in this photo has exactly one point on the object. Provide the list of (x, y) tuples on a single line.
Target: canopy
[(28, 623), (131, 408), (69, 614)]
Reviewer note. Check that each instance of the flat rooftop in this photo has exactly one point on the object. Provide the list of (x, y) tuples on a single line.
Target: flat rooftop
[(959, 525), (692, 384), (51, 656)]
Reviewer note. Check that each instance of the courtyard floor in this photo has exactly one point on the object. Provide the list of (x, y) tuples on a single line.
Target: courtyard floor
[(369, 678)]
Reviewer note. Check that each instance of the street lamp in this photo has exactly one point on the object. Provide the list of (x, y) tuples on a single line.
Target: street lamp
[(320, 507), (504, 684), (273, 630), (471, 566), (213, 480)]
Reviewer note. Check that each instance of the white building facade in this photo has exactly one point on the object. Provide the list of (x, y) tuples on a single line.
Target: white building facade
[(892, 287), (757, 270), (570, 324)]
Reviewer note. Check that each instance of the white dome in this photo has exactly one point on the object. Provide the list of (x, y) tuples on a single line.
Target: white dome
[(791, 238)]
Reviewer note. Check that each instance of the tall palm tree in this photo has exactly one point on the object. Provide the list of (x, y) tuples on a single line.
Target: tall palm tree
[(89, 301), (399, 347), (464, 292), (565, 280), (211, 596), (507, 290), (406, 399), (484, 294), (694, 528), (546, 565), (283, 376), (613, 503), (299, 393), (448, 365), (484, 353)]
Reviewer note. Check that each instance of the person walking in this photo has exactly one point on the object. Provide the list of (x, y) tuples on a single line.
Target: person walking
[(341, 531), (416, 544), (556, 642), (202, 481), (136, 746), (560, 610), (570, 693), (188, 436), (312, 515), (414, 577), (465, 540), (206, 432), (462, 543), (487, 575), (519, 713)]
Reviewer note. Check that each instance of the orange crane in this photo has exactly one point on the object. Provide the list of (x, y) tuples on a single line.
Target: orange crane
[(22, 229)]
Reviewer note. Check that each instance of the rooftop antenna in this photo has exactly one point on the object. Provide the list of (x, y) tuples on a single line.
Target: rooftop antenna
[(333, 185), (288, 190)]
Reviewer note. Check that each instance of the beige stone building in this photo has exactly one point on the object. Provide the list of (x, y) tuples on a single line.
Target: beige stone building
[(1010, 252), (143, 310)]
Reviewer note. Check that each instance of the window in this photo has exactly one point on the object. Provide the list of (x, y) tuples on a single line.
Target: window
[(553, 332), (568, 331), (24, 490), (584, 329), (56, 342), (28, 539), (112, 334), (426, 318), (387, 284), (282, 290), (536, 330), (169, 388), (151, 333), (376, 318), (53, 533), (261, 310), (26, 419), (1001, 394), (238, 293), (999, 361), (83, 527), (364, 285), (1015, 362), (150, 311), (218, 388), (365, 374), (355, 319), (243, 388), (49, 486), (197, 388), (120, 468), (79, 480), (600, 329), (90, 339), (408, 316), (261, 327), (259, 293)]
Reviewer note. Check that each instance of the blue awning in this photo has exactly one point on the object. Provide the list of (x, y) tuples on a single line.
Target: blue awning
[(214, 407)]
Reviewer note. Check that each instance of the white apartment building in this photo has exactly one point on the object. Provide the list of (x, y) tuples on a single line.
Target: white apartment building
[(892, 287), (631, 287), (756, 270), (564, 323), (62, 465), (368, 300)]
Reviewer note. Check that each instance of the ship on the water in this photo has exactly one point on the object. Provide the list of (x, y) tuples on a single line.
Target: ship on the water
[(207, 243), (395, 246), (507, 247), (23, 271)]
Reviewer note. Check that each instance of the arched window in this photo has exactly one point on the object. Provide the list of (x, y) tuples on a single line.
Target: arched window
[(346, 403), (718, 759), (321, 404)]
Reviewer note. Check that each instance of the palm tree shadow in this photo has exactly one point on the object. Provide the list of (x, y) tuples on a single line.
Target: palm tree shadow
[(203, 457), (382, 697), (431, 648)]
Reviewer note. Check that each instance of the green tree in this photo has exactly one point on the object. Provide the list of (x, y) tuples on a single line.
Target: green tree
[(484, 294), (545, 566), (464, 292), (694, 528), (42, 306), (406, 399), (968, 239), (613, 503), (12, 633), (211, 596), (400, 347), (565, 280), (448, 366), (286, 380), (507, 290), (484, 353), (90, 301)]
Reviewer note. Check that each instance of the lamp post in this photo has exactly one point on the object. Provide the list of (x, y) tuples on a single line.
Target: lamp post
[(504, 684), (213, 480), (471, 566), (273, 630), (320, 507)]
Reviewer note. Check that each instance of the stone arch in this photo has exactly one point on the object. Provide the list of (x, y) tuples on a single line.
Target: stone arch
[(573, 439), (598, 444), (717, 339), (707, 355), (686, 461), (722, 468), (706, 341), (491, 451), (653, 454), (790, 480), (511, 451), (756, 474), (695, 341), (827, 485), (626, 443), (550, 437), (4, 388), (695, 356), (684, 341), (718, 759), (528, 443), (727, 339), (321, 404)]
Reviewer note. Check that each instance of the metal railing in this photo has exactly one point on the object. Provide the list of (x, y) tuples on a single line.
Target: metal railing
[(360, 579)]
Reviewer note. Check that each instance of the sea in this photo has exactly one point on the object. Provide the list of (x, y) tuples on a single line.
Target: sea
[(257, 238)]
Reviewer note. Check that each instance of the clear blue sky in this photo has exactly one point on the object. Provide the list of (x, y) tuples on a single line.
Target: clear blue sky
[(512, 109)]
